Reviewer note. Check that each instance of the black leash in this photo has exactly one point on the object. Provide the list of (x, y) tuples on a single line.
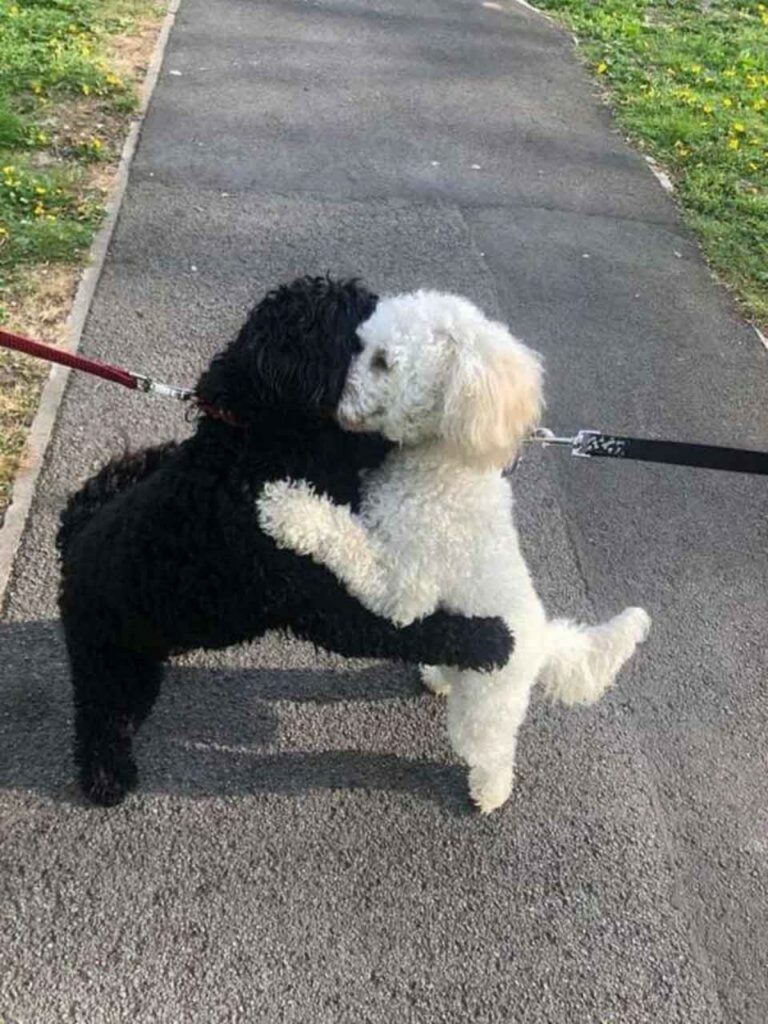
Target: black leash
[(591, 444)]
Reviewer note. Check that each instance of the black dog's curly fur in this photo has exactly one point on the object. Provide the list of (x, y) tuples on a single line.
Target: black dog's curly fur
[(162, 551)]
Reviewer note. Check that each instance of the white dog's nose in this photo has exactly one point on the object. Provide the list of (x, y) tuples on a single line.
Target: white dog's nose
[(347, 422)]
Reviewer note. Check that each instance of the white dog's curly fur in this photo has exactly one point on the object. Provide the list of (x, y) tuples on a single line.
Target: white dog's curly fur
[(459, 394)]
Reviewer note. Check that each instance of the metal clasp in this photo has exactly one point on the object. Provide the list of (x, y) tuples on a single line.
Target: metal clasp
[(156, 387), (546, 437), (581, 443), (578, 443)]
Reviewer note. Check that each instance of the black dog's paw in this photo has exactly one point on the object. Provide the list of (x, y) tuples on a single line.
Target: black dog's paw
[(491, 645), (107, 783), (479, 643)]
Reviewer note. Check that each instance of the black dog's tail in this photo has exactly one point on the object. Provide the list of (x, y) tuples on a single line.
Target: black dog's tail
[(111, 480)]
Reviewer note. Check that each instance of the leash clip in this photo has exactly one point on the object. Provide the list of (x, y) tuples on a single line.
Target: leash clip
[(545, 437), (581, 443), (155, 387)]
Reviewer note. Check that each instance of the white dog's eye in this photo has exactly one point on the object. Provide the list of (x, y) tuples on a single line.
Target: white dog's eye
[(379, 361)]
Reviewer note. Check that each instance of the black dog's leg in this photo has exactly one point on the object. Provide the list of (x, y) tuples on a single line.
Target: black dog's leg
[(114, 691), (441, 639)]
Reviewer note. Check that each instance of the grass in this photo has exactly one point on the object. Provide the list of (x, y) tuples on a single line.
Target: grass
[(20, 382), (68, 70), (689, 85)]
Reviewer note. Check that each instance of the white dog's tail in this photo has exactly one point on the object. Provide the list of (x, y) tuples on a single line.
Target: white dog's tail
[(584, 660)]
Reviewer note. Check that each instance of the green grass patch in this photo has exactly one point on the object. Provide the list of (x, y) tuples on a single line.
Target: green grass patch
[(57, 92), (47, 216), (689, 84)]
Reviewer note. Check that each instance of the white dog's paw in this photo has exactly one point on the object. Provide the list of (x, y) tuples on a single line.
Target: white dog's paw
[(636, 622), (294, 515), (434, 680), (489, 788)]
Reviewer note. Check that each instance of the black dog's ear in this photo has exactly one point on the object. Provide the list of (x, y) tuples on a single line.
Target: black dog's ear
[(216, 387), (227, 384), (292, 352)]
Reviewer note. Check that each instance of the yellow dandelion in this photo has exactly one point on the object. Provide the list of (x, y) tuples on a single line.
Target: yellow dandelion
[(738, 127), (727, 102), (40, 191), (39, 210), (752, 165), (602, 67), (708, 108), (729, 73), (96, 143), (86, 89), (696, 69), (759, 105), (733, 143)]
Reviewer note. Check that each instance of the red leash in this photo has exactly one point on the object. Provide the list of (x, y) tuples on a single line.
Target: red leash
[(134, 381)]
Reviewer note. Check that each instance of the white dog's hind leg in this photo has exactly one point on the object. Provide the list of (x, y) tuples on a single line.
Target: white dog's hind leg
[(583, 661), (484, 715)]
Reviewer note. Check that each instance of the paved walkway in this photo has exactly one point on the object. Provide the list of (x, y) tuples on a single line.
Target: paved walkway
[(300, 849)]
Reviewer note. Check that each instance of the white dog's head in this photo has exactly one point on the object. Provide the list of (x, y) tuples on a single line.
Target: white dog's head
[(433, 367)]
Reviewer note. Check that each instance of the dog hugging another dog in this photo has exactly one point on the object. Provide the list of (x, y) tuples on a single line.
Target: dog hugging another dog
[(343, 482)]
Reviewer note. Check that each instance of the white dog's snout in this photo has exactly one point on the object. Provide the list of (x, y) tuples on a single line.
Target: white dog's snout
[(349, 414), (350, 423)]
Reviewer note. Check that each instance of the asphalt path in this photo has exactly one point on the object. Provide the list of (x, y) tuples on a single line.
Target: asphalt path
[(301, 848)]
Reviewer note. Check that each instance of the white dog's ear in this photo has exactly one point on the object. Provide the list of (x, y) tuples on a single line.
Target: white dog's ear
[(493, 396)]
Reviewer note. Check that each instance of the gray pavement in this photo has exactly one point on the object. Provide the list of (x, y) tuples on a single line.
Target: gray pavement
[(300, 849)]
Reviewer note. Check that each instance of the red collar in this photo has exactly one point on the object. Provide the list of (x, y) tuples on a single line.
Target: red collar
[(220, 414)]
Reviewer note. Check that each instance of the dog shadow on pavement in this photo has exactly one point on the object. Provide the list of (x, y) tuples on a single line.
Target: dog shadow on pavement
[(213, 732)]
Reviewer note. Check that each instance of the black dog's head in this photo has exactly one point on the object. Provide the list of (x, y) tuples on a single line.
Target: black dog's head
[(292, 353)]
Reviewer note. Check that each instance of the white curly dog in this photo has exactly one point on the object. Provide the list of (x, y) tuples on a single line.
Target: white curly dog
[(458, 394)]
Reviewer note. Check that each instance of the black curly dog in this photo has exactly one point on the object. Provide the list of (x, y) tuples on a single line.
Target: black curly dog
[(162, 551)]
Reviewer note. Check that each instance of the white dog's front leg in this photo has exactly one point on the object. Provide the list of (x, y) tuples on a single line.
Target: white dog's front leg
[(310, 524)]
